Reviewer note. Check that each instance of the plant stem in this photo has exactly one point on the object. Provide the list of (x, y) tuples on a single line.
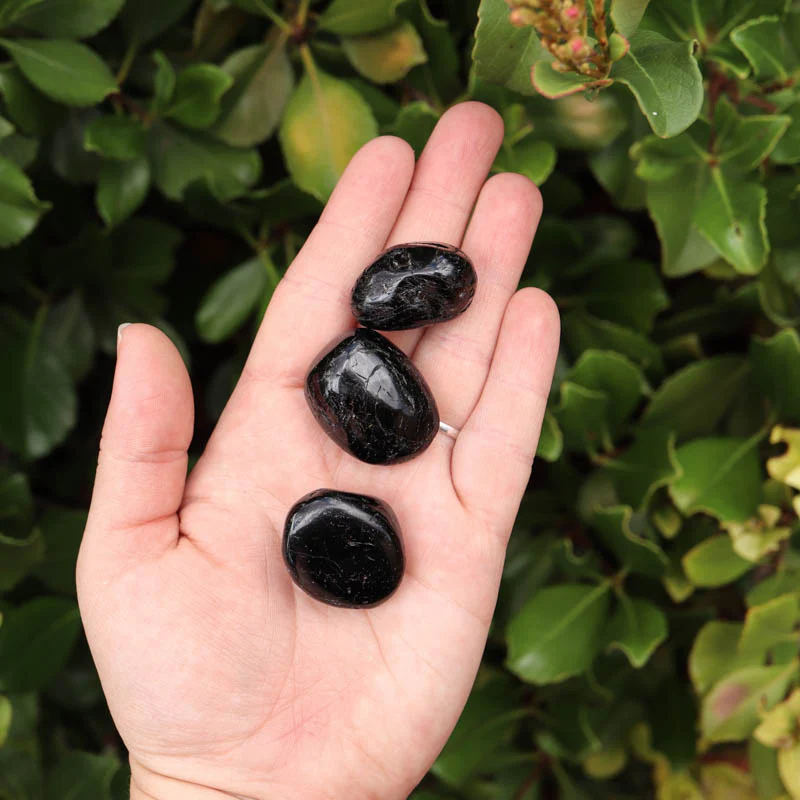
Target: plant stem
[(127, 63), (276, 19), (308, 60), (302, 13)]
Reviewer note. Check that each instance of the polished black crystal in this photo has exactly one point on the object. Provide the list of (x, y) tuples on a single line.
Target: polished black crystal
[(370, 399), (343, 549), (414, 285)]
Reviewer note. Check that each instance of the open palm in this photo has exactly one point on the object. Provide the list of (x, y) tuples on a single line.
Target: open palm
[(222, 676)]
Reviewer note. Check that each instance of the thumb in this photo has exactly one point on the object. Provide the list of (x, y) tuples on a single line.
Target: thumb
[(142, 465)]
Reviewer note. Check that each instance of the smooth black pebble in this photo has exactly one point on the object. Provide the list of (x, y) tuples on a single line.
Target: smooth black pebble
[(371, 400), (343, 549), (413, 285)]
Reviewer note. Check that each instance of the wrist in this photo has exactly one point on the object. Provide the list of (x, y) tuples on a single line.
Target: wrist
[(149, 785)]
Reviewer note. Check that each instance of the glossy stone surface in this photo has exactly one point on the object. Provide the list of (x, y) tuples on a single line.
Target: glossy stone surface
[(343, 549), (414, 285), (371, 400)]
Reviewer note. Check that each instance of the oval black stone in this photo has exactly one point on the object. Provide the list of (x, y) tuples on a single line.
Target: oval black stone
[(371, 400), (343, 549), (413, 285)]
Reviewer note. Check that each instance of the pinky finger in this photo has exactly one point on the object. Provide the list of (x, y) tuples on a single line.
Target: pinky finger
[(494, 452)]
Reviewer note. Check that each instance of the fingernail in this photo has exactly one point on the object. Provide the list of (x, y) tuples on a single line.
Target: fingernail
[(120, 331)]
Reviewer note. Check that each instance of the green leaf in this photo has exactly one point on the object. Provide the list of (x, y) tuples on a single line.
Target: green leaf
[(553, 84), (483, 732), (144, 20), (786, 467), (746, 141), (730, 712), (164, 83), (69, 335), (771, 623), (557, 633), (118, 137), (68, 19), (284, 202), (31, 111), (354, 18), (415, 124), (776, 371), (721, 476), (20, 757), (5, 719), (715, 653), (388, 55), (504, 54), (181, 157), (551, 440), (648, 464), (36, 640), (627, 14), (635, 549), (68, 72), (122, 188), (262, 84), (81, 776), (63, 531), (38, 407), (16, 503), (230, 301), (530, 156), (665, 80), (195, 102), (764, 45), (18, 557), (731, 215), (714, 563), (693, 400), (637, 628), (324, 125), (787, 150), (584, 332), (763, 762), (756, 538), (582, 415), (20, 209)]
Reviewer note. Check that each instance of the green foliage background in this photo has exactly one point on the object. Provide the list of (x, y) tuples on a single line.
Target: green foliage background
[(164, 161)]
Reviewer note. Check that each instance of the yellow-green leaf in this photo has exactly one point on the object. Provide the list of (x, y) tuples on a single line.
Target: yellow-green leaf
[(386, 56)]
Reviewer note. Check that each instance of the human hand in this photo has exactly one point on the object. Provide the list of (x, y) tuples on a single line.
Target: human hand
[(223, 678)]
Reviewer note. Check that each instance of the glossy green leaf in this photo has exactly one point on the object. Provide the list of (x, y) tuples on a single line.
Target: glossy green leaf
[(627, 14), (164, 83), (763, 763), (504, 54), (69, 334), (415, 124), (68, 19), (386, 56), (18, 557), (630, 539), (693, 400), (199, 88), (731, 215), (30, 110), (20, 209), (787, 149), (582, 415), (776, 369), (324, 125), (756, 538), (181, 157), (20, 757), (262, 84), (771, 623), (144, 20), (36, 640), (551, 440), (763, 44), (730, 712), (16, 503), (714, 563), (558, 633), (637, 628), (746, 141), (665, 80), (648, 464), (118, 137), (553, 84), (62, 530), (229, 302), (66, 71), (716, 653), (354, 18), (122, 188), (81, 776), (721, 476), (38, 407), (530, 156)]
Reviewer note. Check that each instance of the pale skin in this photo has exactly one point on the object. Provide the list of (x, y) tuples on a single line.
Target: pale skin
[(223, 678)]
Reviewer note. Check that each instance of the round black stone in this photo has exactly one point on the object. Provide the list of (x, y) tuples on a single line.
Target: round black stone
[(371, 400), (343, 549), (413, 285)]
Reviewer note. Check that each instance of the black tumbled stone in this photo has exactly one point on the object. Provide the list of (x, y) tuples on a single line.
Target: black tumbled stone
[(413, 285), (371, 400), (343, 549)]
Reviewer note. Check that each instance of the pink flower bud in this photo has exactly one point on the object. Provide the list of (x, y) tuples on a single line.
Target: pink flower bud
[(571, 13), (577, 46)]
